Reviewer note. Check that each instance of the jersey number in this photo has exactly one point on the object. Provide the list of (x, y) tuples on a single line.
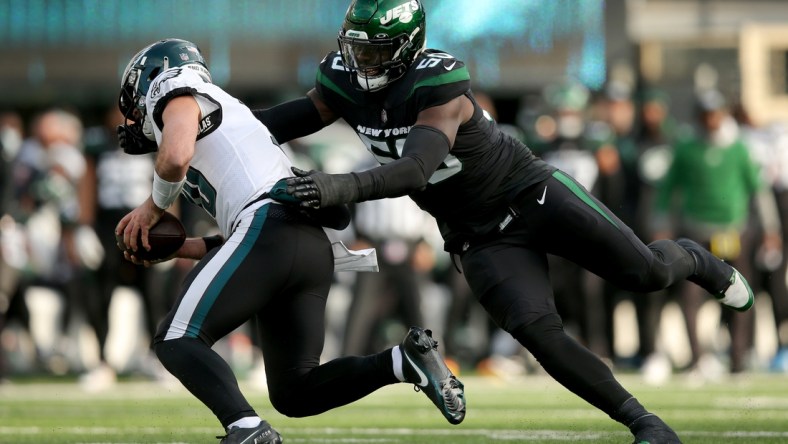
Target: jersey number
[(200, 192), (390, 150), (433, 60)]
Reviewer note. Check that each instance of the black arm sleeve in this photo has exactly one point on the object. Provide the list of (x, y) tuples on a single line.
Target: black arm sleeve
[(291, 120), (424, 151)]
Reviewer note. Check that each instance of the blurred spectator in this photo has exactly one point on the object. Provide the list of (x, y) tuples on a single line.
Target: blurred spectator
[(115, 183), (12, 256), (612, 139), (613, 142), (655, 137), (709, 186), (769, 148), (657, 134), (47, 175)]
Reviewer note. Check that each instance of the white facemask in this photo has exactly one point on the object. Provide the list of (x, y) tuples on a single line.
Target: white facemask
[(372, 83)]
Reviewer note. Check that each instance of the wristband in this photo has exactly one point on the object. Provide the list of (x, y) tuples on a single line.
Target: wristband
[(212, 242), (164, 192)]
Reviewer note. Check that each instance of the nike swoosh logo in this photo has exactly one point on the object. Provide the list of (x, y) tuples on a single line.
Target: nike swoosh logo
[(422, 376), (448, 68), (544, 193)]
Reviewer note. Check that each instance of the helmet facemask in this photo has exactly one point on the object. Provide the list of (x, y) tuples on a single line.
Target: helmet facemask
[(132, 94), (376, 62)]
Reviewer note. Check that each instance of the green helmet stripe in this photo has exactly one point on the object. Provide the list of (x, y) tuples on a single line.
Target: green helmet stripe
[(325, 81), (457, 75)]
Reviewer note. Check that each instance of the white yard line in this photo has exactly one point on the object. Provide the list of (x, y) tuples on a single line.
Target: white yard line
[(383, 435)]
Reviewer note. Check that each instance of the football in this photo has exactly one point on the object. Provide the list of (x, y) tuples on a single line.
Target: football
[(165, 238)]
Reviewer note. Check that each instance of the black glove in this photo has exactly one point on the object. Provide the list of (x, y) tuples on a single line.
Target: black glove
[(316, 189), (133, 142)]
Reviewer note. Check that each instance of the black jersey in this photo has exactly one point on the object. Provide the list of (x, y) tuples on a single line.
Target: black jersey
[(470, 192)]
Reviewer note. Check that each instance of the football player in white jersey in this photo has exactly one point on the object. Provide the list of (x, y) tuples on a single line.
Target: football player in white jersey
[(272, 261)]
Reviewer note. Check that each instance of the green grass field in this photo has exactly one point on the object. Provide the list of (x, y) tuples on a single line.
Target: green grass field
[(534, 409)]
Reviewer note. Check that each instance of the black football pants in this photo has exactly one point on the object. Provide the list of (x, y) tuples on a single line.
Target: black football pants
[(509, 275), (278, 268)]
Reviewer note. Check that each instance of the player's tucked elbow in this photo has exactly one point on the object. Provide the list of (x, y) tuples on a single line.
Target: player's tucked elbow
[(421, 173), (406, 176)]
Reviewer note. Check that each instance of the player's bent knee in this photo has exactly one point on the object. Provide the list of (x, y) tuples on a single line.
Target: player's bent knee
[(290, 404), (177, 354), (165, 352)]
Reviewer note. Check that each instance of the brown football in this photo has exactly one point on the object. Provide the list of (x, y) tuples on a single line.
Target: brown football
[(165, 238)]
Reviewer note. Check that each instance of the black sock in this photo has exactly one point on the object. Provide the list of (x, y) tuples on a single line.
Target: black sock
[(710, 273), (629, 412)]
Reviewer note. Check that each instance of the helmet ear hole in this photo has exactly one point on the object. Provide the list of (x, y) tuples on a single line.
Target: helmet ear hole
[(154, 73)]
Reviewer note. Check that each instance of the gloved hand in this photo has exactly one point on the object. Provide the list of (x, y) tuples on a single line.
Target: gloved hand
[(133, 142), (336, 217), (316, 189)]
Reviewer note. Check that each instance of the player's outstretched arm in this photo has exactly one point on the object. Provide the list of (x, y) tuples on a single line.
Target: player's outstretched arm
[(296, 118)]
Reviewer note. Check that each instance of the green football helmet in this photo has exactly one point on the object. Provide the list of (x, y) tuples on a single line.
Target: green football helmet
[(380, 39), (141, 71)]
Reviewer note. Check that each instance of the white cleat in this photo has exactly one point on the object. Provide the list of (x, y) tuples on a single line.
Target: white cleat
[(739, 295)]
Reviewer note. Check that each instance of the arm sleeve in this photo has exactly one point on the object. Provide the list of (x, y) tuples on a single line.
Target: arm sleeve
[(291, 120), (424, 151)]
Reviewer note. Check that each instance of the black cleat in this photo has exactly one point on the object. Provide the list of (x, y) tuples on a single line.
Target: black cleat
[(650, 429), (423, 366), (262, 434), (724, 282)]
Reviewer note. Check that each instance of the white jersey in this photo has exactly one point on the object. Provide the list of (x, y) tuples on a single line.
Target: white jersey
[(235, 159)]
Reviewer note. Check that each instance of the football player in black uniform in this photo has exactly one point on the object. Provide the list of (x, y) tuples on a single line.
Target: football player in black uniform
[(500, 209)]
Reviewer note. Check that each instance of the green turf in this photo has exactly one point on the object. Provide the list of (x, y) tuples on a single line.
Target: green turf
[(533, 409)]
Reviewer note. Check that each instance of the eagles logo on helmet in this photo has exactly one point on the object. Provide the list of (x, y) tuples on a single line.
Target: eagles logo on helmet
[(141, 71)]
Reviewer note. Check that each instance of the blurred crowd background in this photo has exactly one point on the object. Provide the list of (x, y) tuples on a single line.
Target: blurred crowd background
[(673, 112)]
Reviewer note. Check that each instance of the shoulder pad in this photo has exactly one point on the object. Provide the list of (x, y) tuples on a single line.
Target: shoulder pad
[(169, 84), (173, 79), (434, 62), (333, 80), (434, 78)]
